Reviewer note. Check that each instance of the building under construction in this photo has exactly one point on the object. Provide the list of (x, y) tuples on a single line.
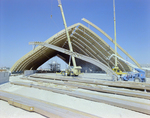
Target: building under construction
[(82, 94), (54, 66)]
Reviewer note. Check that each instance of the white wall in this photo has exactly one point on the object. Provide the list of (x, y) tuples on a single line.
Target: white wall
[(4, 77), (29, 72)]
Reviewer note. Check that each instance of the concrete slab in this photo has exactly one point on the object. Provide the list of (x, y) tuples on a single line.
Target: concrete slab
[(8, 111), (99, 109)]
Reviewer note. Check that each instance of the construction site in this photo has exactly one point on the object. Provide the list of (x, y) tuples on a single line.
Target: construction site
[(97, 82)]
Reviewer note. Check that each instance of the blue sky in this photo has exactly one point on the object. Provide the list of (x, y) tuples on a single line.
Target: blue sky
[(23, 21)]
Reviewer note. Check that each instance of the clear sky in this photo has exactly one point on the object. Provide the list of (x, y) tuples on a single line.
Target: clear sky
[(23, 21)]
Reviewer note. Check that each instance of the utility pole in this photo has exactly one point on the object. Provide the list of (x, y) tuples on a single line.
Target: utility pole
[(68, 37), (115, 35)]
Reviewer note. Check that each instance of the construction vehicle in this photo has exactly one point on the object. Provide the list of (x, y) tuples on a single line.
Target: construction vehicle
[(118, 71), (136, 75), (71, 71), (76, 70)]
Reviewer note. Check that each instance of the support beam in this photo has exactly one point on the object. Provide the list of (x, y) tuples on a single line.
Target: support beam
[(122, 84), (96, 27), (123, 103), (93, 87), (45, 108)]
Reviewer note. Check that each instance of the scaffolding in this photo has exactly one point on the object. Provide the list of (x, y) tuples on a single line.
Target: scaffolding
[(54, 66)]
